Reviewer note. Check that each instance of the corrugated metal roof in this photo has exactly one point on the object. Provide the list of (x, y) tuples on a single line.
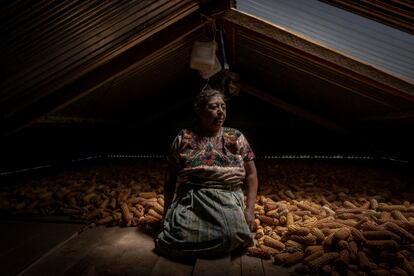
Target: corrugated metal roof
[(381, 46), (53, 41)]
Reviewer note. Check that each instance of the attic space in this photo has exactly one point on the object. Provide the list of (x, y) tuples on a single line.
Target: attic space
[(93, 93)]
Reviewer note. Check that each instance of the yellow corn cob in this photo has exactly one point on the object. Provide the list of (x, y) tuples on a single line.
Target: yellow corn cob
[(147, 195), (104, 220), (268, 220), (399, 216), (259, 232), (357, 235), (316, 264), (380, 235), (280, 258), (125, 212), (313, 256), (298, 230), (273, 243), (307, 207), (309, 239), (320, 237), (153, 213), (389, 208), (272, 251), (381, 244), (258, 252), (348, 204), (289, 219), (294, 258), (341, 234), (400, 231), (374, 203), (312, 249), (294, 244)]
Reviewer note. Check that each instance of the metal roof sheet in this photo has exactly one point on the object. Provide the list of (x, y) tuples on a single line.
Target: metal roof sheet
[(381, 46)]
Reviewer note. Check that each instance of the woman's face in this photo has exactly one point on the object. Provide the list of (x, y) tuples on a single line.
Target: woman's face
[(213, 115)]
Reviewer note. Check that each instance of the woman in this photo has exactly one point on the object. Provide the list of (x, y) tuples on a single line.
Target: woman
[(209, 165)]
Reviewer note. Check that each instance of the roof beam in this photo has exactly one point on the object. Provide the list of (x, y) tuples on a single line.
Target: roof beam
[(63, 92), (295, 110), (351, 71)]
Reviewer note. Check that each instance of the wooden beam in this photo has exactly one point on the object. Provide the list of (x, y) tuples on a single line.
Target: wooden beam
[(114, 65), (399, 115), (340, 65), (397, 14), (295, 110)]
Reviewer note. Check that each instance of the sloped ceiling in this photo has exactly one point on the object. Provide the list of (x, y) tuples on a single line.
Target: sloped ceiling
[(91, 78)]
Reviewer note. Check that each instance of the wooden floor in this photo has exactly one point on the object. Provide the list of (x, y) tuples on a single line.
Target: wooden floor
[(44, 248)]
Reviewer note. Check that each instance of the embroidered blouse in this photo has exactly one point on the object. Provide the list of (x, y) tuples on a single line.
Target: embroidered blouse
[(210, 161)]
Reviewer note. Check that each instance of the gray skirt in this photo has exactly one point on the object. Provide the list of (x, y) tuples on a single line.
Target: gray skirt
[(204, 222)]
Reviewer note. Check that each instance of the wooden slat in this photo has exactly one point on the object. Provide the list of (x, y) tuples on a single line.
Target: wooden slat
[(270, 269), (67, 256), (22, 243), (235, 267), (251, 266), (216, 267), (167, 267)]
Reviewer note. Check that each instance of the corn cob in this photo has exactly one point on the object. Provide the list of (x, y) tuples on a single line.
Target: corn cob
[(363, 260), (408, 267), (316, 264), (125, 212), (343, 260), (293, 258), (147, 195), (309, 239), (320, 237), (357, 235), (373, 203), (258, 252), (398, 272), (399, 216), (273, 243), (154, 214), (389, 208), (380, 235), (341, 234), (313, 256), (272, 251), (398, 230), (289, 219), (298, 230), (268, 220), (382, 244), (307, 207), (312, 249), (353, 250), (294, 244), (348, 204)]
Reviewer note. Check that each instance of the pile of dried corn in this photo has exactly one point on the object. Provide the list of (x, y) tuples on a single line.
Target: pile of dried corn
[(335, 221), (316, 217)]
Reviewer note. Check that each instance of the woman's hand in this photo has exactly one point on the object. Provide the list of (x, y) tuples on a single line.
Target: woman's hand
[(249, 215)]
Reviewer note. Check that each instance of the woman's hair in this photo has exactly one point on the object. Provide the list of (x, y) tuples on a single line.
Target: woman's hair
[(202, 98)]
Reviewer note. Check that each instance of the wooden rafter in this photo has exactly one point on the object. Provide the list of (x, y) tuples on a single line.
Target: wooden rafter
[(295, 110), (398, 14), (351, 71), (70, 90)]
